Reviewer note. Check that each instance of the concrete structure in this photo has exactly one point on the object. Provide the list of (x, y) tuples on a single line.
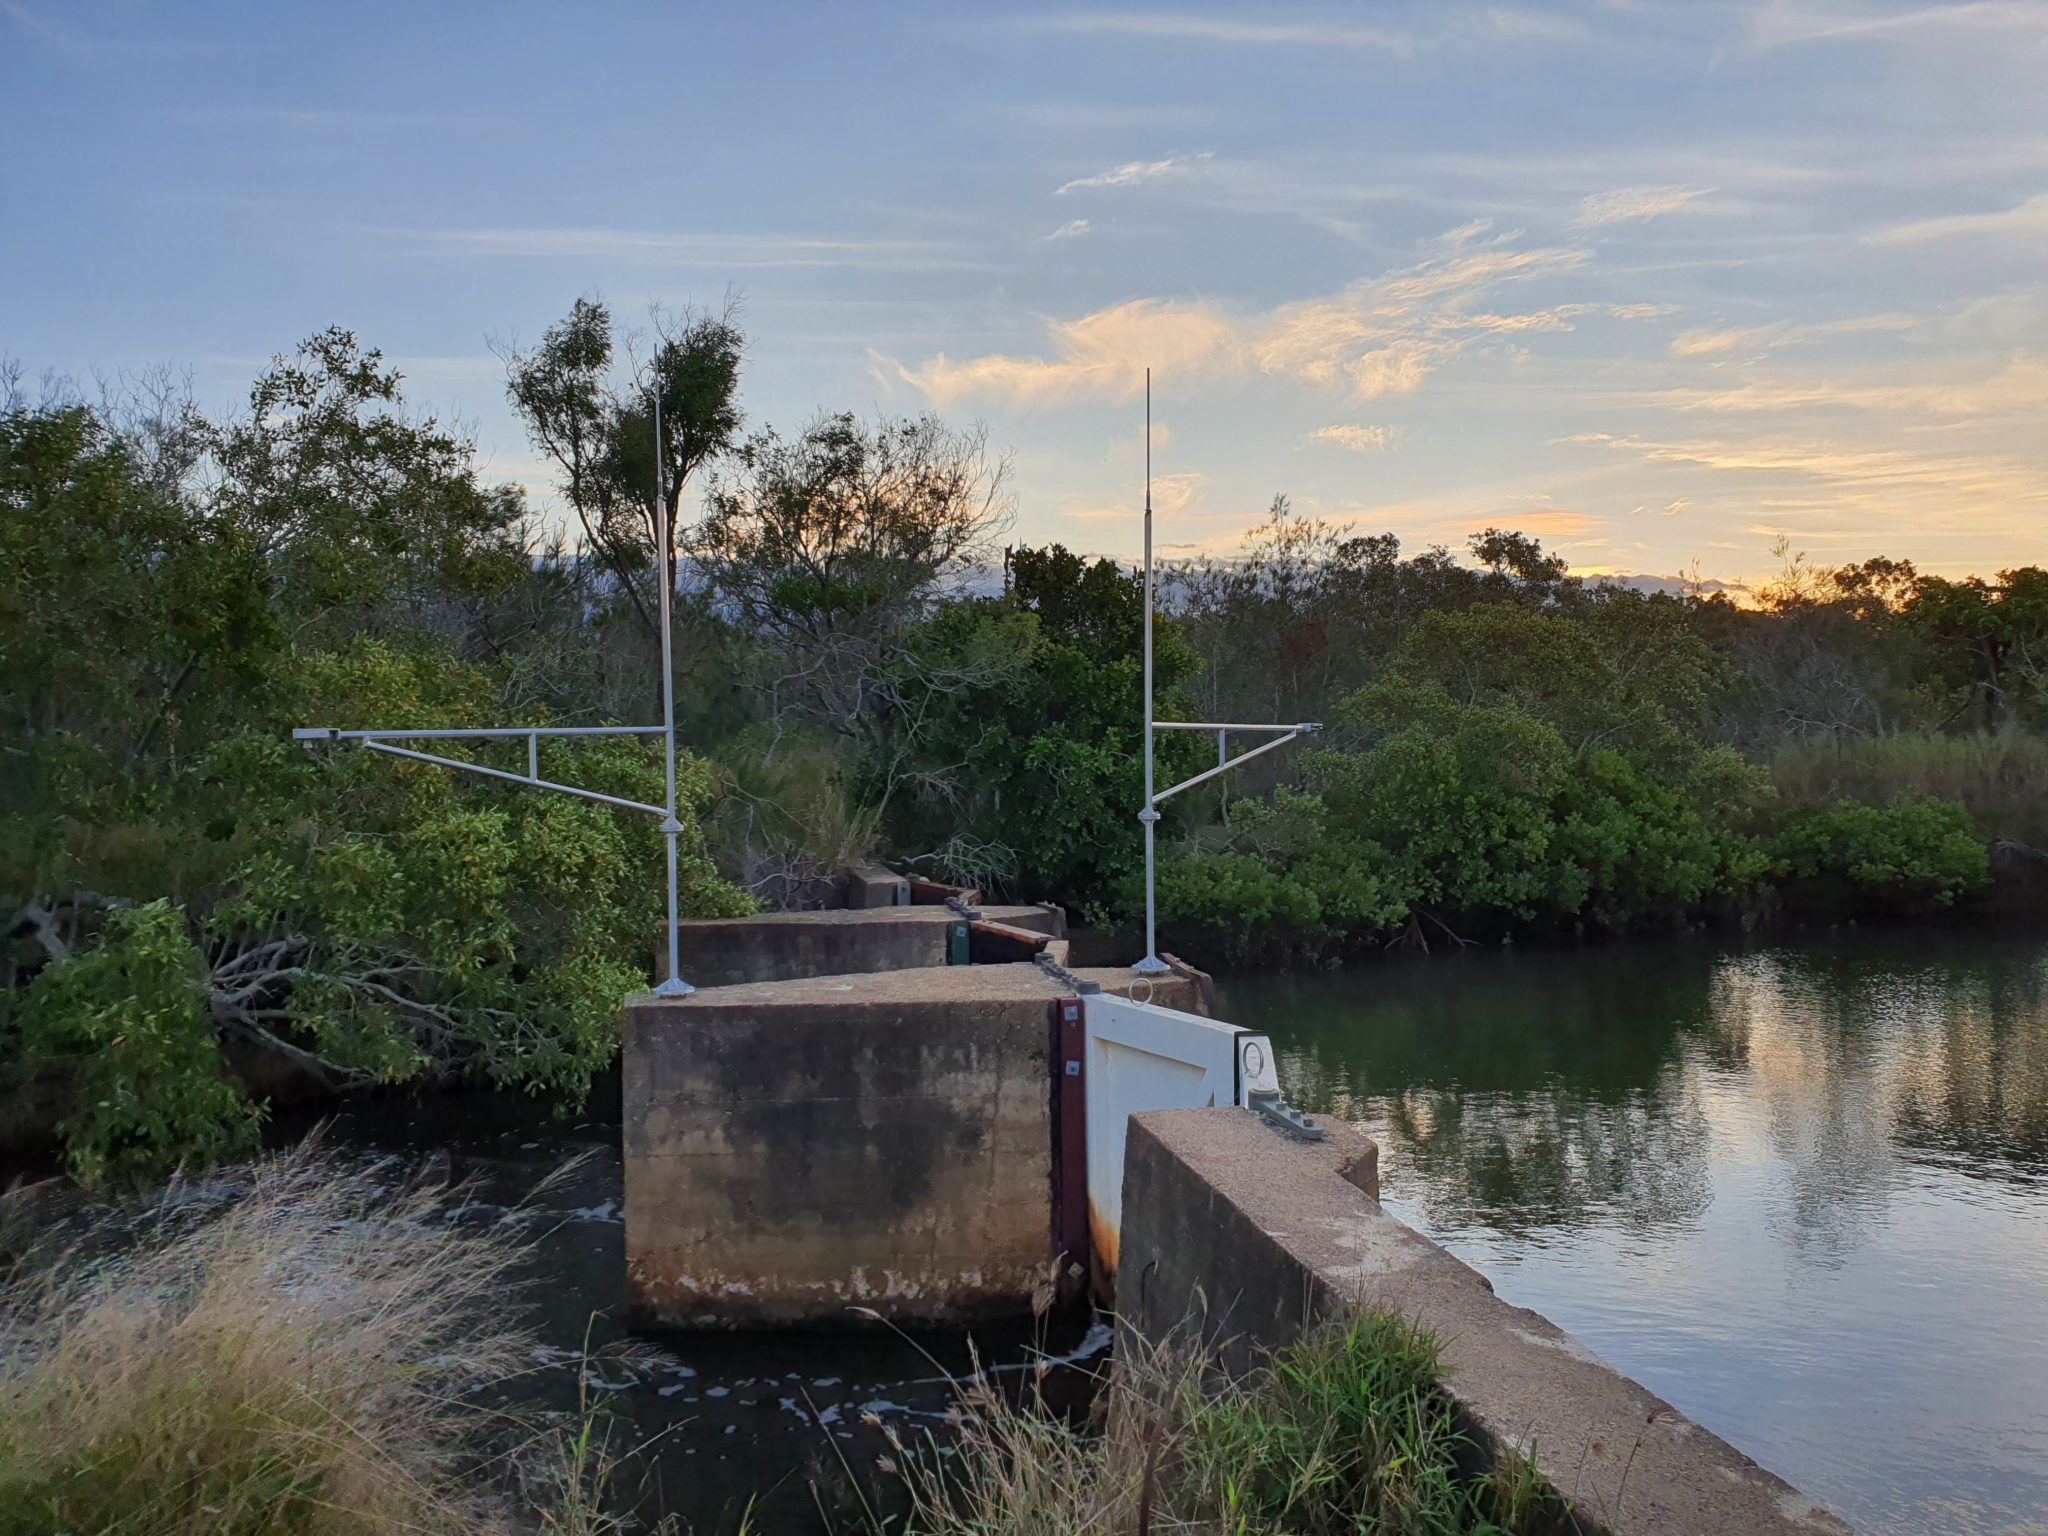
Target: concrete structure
[(1227, 1221), (797, 1150), (871, 885), (790, 946)]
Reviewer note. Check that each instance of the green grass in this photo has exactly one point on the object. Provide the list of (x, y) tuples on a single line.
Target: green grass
[(2001, 779), (1347, 1430)]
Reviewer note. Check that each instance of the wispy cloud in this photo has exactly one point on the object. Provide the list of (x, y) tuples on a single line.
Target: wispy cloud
[(1783, 333), (2028, 218), (1073, 229), (691, 250), (1991, 490), (1462, 26), (1357, 437), (1382, 336), (2016, 388), (1136, 172), (1627, 205), (1171, 496), (1225, 29), (1781, 24)]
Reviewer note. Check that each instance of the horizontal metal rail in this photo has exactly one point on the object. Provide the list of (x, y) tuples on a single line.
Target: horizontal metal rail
[(323, 733), (370, 739), (1232, 725)]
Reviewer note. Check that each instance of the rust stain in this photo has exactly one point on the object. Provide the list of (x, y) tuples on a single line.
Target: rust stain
[(1104, 1237)]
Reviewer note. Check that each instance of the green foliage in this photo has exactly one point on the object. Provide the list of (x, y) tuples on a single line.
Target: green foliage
[(441, 922), (365, 919), (1914, 853), (126, 1026), (1040, 755), (1512, 767)]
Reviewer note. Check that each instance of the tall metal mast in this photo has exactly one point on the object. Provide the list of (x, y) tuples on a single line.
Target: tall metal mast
[(1151, 964), (673, 984)]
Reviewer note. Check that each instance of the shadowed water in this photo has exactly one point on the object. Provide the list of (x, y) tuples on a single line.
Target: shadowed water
[(1800, 1192), (770, 1432)]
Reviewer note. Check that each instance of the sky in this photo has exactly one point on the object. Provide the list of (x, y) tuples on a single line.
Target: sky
[(1662, 282)]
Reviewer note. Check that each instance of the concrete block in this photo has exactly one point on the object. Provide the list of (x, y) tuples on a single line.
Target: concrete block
[(872, 885), (795, 1151), (1252, 1235)]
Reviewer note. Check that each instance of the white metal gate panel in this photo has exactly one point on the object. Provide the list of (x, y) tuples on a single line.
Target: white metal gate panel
[(1141, 1057)]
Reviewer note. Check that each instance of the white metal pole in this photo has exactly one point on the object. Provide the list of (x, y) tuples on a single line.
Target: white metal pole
[(673, 984), (1151, 965)]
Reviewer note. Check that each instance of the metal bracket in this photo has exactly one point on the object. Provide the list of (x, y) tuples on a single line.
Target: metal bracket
[(1065, 977), (972, 914), (1267, 1104)]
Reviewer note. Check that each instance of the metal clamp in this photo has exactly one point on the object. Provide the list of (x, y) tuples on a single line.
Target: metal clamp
[(1065, 977), (1267, 1104)]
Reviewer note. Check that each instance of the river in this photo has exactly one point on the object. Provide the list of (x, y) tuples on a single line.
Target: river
[(1800, 1192)]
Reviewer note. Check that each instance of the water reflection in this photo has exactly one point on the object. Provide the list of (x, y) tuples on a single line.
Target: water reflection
[(1796, 1190)]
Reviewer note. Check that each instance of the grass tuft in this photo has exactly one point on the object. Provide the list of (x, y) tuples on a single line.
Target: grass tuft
[(287, 1348), (1346, 1430)]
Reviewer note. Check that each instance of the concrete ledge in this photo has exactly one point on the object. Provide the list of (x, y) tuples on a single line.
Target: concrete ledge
[(1257, 1235), (785, 946)]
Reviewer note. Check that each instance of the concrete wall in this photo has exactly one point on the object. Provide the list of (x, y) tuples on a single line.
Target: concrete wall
[(1255, 1234), (797, 1150), (785, 946)]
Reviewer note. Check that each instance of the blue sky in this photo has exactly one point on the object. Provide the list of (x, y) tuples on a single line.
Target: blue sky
[(1659, 280)]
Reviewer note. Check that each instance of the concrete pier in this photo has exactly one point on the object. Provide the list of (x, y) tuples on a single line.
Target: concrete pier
[(1233, 1228), (817, 1151)]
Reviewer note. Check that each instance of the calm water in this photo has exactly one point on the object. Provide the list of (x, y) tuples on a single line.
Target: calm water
[(1800, 1192)]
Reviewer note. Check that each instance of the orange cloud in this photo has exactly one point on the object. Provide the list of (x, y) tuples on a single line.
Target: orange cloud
[(1381, 336)]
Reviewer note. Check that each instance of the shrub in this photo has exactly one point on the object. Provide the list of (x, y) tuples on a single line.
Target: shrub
[(125, 1028), (1914, 852)]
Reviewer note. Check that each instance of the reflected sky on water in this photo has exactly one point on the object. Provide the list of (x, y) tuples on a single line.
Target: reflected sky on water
[(1801, 1192)]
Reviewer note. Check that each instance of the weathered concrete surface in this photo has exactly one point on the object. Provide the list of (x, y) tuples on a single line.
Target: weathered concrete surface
[(1256, 1234), (795, 1150), (782, 946), (872, 885)]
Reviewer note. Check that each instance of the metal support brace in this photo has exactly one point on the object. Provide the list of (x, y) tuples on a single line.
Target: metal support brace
[(1065, 977)]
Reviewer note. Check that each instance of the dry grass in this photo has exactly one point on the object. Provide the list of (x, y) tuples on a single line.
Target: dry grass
[(287, 1348), (1346, 1430), (2001, 778)]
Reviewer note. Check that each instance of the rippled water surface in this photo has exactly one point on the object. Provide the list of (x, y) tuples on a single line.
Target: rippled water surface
[(1800, 1192)]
